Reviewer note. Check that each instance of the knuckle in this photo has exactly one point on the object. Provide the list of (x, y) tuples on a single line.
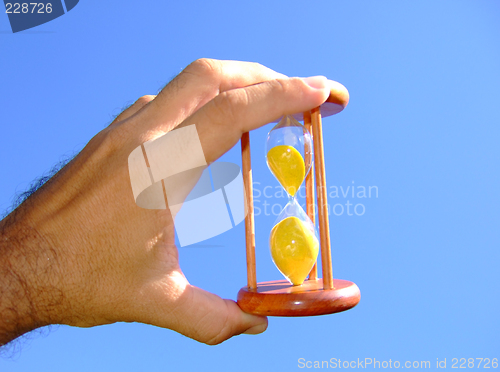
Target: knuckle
[(224, 331), (144, 100), (259, 66), (204, 67), (110, 140), (279, 85), (215, 341), (229, 104)]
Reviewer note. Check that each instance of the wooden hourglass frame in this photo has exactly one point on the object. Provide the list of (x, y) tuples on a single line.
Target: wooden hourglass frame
[(316, 296)]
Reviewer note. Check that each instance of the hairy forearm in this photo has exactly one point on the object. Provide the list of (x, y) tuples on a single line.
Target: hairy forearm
[(29, 297)]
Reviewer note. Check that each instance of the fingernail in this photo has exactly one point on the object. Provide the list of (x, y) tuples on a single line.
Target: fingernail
[(255, 330), (316, 82)]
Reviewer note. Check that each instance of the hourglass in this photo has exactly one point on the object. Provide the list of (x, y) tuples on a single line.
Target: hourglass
[(293, 240)]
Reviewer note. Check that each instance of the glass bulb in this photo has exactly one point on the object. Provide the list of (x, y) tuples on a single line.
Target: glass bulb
[(294, 243), (289, 153)]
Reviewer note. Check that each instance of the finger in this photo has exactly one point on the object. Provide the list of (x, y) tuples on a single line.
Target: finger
[(222, 121), (210, 319), (133, 109), (199, 83)]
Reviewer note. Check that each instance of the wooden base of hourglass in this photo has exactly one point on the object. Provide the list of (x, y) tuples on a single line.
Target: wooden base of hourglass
[(280, 298), (314, 296)]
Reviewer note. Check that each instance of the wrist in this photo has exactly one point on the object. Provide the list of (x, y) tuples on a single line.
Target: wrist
[(31, 295)]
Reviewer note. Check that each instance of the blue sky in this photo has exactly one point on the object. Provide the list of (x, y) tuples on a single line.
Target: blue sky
[(422, 126)]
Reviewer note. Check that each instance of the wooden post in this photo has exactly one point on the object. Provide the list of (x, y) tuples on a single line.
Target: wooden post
[(249, 216), (313, 275), (324, 229)]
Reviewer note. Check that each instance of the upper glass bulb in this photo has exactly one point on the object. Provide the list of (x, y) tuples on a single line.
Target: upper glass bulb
[(289, 153)]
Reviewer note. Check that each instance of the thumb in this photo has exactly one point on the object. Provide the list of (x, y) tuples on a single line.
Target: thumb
[(210, 319)]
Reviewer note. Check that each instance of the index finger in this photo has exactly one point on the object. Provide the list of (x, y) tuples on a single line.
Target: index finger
[(197, 85), (221, 122)]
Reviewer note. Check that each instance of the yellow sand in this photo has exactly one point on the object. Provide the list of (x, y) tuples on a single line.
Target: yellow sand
[(294, 249), (288, 166)]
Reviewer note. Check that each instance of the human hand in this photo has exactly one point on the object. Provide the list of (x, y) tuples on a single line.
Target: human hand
[(80, 251)]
